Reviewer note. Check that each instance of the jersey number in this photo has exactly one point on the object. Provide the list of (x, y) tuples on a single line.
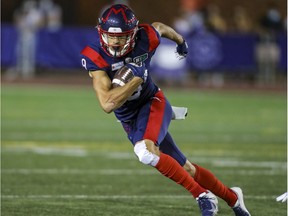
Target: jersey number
[(135, 94)]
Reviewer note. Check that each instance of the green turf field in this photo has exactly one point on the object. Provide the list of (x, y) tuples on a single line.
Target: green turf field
[(63, 156)]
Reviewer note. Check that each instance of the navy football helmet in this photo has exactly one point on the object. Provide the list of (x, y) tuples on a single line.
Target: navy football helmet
[(117, 28)]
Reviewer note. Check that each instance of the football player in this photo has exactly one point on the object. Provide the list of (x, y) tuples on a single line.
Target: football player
[(142, 107)]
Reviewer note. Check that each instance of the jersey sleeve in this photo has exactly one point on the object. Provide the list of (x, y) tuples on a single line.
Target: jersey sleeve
[(153, 36), (91, 60)]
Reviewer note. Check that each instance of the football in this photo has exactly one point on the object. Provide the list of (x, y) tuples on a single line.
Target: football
[(122, 76)]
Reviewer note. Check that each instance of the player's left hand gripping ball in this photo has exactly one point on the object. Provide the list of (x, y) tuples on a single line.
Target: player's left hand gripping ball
[(182, 49), (138, 69), (127, 72), (122, 76)]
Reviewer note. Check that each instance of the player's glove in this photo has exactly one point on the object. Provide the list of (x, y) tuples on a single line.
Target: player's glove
[(182, 49), (138, 70)]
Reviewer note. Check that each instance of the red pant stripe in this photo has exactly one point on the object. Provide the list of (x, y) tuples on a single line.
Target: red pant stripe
[(157, 110)]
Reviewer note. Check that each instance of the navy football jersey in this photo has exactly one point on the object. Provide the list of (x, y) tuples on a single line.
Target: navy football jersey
[(94, 58)]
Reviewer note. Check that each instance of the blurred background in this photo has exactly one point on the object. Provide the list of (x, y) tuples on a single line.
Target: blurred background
[(231, 43)]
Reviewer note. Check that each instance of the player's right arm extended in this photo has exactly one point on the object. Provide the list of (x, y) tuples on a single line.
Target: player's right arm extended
[(112, 98), (168, 32)]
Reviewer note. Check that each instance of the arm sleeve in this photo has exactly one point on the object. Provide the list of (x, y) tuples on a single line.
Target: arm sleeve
[(91, 60), (153, 36)]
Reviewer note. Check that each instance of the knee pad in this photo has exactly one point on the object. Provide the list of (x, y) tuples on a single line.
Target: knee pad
[(145, 156)]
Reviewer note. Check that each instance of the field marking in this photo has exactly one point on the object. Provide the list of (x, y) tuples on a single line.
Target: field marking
[(80, 171), (129, 172), (262, 164), (81, 152), (103, 197), (77, 152)]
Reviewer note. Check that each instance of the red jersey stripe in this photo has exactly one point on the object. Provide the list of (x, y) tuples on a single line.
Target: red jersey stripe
[(152, 36), (94, 57)]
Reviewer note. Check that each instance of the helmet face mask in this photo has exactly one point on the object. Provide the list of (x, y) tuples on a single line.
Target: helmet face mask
[(117, 44), (117, 29)]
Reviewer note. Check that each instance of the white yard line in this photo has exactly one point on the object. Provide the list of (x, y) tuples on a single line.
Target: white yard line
[(103, 197), (80, 171), (81, 152), (267, 172), (76, 152), (260, 164), (268, 168)]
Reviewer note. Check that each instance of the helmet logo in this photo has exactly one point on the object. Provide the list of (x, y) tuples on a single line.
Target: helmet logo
[(121, 10), (115, 11)]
